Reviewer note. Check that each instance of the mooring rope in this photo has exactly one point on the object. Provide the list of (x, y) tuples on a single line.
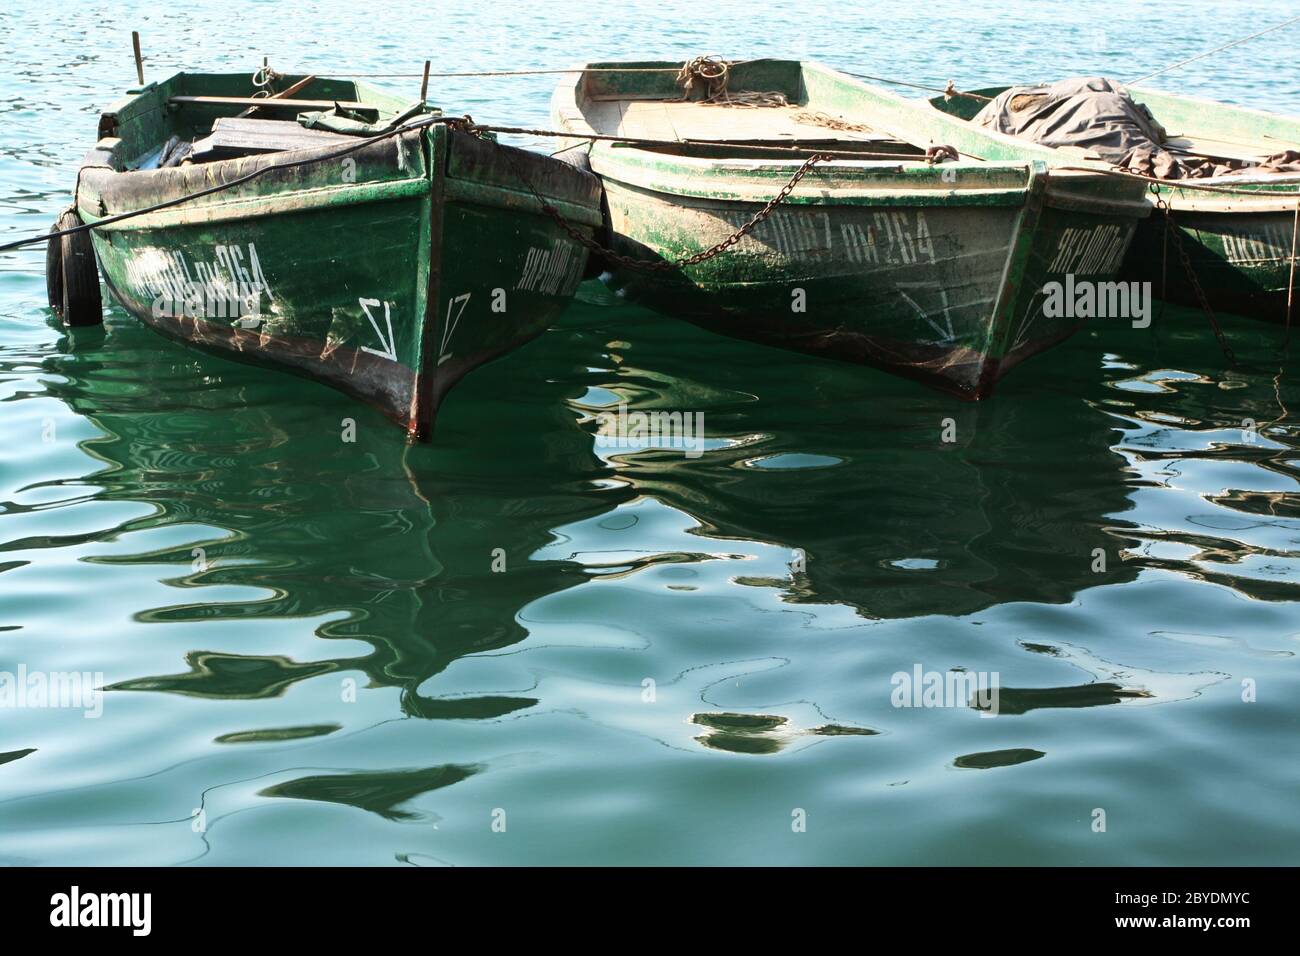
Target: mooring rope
[(230, 184), (1173, 183), (1201, 56), (790, 150), (262, 80), (529, 72), (949, 90), (1290, 285), (467, 124)]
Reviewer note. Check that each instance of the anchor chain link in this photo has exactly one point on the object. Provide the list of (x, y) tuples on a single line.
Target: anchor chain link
[(1171, 228), (666, 265)]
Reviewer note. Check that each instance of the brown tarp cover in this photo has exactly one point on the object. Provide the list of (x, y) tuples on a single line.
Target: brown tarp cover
[(1098, 114)]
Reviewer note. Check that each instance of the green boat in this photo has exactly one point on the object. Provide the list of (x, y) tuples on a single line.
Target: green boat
[(878, 256), (327, 229), (1240, 245)]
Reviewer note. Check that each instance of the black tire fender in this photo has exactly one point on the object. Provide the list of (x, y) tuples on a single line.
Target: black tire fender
[(54, 272), (79, 274), (596, 263)]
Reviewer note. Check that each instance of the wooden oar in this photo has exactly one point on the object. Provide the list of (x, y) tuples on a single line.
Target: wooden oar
[(282, 95), (266, 101)]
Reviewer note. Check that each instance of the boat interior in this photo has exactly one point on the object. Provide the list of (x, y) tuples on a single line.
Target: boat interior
[(199, 118), (1211, 131), (758, 105)]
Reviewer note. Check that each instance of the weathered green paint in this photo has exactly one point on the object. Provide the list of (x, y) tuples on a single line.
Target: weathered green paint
[(388, 273), (934, 271), (1240, 246)]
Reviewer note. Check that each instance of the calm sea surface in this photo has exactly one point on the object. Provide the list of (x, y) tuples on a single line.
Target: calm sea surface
[(685, 659)]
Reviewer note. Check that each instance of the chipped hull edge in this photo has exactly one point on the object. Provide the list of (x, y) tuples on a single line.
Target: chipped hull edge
[(932, 293), (391, 299)]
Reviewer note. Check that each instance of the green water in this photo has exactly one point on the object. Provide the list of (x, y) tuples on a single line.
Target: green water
[(683, 659)]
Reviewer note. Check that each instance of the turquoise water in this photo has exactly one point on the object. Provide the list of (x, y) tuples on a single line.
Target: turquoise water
[(684, 660)]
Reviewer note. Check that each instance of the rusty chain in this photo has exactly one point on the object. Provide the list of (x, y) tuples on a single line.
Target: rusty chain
[(645, 265), (1171, 231)]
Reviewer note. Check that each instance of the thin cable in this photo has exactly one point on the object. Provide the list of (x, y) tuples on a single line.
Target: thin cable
[(573, 69), (1290, 285), (1177, 183), (790, 151), (239, 181), (1201, 56), (947, 91)]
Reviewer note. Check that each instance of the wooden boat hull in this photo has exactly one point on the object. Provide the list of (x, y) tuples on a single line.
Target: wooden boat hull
[(952, 296), (935, 272), (1240, 246), (1241, 256), (388, 274)]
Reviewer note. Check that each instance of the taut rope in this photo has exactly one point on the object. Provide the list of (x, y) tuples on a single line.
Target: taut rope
[(1201, 56)]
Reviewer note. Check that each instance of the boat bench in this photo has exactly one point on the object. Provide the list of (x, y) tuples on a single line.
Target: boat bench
[(232, 137)]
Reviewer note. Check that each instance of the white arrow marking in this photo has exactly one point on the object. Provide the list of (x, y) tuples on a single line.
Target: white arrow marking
[(946, 336), (452, 322), (389, 344), (1026, 321)]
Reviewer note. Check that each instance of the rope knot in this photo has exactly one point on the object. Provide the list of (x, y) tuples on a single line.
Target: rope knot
[(262, 80), (710, 72)]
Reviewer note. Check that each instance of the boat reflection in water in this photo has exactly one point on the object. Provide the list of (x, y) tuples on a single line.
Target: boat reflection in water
[(398, 547), (842, 497), (882, 497)]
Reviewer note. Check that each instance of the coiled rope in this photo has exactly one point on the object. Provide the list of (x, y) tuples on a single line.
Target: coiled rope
[(712, 73)]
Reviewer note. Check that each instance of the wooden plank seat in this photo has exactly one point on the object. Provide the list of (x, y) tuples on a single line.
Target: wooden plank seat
[(232, 136)]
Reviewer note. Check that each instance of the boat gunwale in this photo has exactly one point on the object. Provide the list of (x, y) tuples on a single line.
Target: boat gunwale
[(133, 189), (615, 161), (296, 200), (415, 167), (385, 102), (574, 123), (717, 193), (1200, 101), (1277, 192), (127, 186)]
